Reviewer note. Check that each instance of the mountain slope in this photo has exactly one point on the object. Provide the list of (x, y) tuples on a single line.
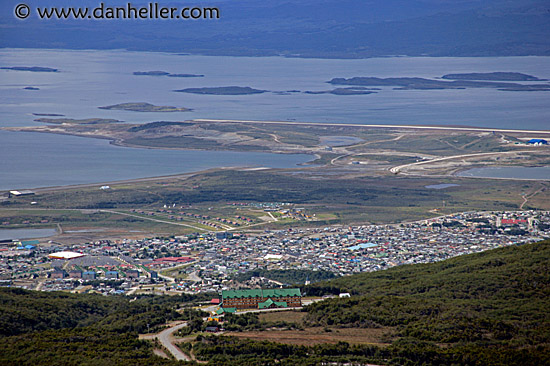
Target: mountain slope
[(498, 299), (310, 28)]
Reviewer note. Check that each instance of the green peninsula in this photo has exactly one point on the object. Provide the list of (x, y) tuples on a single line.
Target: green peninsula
[(144, 107)]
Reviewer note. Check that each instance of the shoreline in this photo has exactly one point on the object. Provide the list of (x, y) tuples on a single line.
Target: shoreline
[(212, 53), (122, 143), (124, 181)]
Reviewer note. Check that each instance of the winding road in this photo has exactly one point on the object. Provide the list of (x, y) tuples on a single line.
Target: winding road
[(166, 339), (398, 169)]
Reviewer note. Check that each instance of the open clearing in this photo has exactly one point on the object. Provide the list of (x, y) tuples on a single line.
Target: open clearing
[(318, 335)]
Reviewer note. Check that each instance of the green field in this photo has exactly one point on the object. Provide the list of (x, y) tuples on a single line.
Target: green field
[(331, 200)]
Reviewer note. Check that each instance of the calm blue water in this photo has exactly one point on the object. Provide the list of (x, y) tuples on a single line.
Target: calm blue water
[(441, 186), (12, 234), (90, 79), (515, 172), (42, 160)]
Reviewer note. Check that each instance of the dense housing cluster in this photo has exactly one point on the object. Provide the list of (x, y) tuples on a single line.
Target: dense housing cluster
[(210, 262)]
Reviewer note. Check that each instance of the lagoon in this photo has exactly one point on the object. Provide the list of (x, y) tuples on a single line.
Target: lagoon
[(20, 234), (31, 160), (509, 172)]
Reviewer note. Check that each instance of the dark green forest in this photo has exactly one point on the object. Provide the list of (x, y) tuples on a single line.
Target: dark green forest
[(495, 303), (42, 328)]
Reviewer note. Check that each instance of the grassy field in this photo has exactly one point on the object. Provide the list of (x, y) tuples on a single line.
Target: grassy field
[(318, 335), (386, 199), (82, 224)]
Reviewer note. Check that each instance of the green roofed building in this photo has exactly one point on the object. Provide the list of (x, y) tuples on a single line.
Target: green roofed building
[(262, 299), (270, 304), (221, 311)]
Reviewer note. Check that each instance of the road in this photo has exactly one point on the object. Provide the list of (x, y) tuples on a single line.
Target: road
[(166, 337), (167, 340), (472, 129), (526, 197), (156, 220), (194, 277), (397, 169)]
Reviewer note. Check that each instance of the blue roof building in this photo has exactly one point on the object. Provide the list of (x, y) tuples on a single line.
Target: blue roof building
[(362, 246), (89, 275), (111, 274)]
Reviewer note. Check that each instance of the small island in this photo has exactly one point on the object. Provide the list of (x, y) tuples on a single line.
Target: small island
[(413, 83), (223, 90), (492, 76), (30, 68), (48, 115), (144, 107), (185, 76), (344, 91), (88, 121), (151, 73), (164, 73)]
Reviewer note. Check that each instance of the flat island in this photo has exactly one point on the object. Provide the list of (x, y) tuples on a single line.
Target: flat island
[(30, 68), (48, 115), (345, 91), (165, 73), (223, 90), (462, 82), (144, 107), (494, 76)]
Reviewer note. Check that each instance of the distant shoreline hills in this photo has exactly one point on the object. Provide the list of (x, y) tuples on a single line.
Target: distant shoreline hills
[(330, 29)]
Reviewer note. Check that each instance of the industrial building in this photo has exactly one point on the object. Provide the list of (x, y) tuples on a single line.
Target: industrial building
[(66, 255), (537, 142), (262, 298)]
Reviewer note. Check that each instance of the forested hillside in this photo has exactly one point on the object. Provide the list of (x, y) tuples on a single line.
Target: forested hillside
[(305, 28), (482, 309), (495, 302), (42, 328)]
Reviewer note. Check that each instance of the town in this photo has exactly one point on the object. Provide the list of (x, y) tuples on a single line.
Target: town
[(211, 262)]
